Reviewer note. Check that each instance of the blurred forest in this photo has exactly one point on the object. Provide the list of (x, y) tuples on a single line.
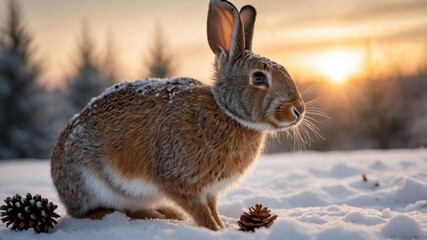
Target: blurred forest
[(375, 110)]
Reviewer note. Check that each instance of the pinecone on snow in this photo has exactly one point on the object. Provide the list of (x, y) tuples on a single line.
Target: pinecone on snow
[(29, 212), (256, 218)]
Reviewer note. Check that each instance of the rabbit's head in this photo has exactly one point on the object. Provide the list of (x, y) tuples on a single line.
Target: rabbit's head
[(257, 92)]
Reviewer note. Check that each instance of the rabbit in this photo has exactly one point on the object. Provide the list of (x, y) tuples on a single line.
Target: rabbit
[(160, 148)]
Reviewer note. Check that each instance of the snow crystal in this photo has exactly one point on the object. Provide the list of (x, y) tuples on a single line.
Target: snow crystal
[(253, 56), (115, 88), (143, 87), (78, 129), (172, 86), (75, 116)]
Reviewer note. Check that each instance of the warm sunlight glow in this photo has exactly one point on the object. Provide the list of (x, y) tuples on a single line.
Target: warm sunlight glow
[(338, 65)]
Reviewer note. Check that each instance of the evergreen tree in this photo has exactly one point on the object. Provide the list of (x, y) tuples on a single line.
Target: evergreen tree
[(22, 132), (110, 61), (88, 81), (160, 62)]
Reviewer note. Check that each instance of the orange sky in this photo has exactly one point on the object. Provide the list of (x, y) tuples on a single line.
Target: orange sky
[(303, 35)]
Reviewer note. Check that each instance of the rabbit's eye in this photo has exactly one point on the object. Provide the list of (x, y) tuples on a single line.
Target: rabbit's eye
[(259, 78)]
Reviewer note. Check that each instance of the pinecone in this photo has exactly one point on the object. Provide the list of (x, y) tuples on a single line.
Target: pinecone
[(29, 212), (256, 218)]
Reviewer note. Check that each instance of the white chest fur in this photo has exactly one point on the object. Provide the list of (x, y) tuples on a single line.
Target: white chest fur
[(135, 194), (132, 195), (220, 186)]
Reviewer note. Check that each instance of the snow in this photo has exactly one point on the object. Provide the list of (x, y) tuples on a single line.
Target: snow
[(403, 227), (143, 87), (264, 60), (316, 195), (77, 131)]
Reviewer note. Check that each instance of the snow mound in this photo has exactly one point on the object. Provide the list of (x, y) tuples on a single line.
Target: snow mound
[(287, 229), (316, 219), (410, 191), (420, 206), (403, 227), (378, 165), (339, 191), (339, 171), (307, 199), (359, 218), (343, 233)]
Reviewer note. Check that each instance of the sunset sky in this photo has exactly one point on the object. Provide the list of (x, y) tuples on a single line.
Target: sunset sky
[(326, 38)]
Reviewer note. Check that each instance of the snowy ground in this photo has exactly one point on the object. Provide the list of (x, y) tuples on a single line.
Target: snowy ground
[(316, 195)]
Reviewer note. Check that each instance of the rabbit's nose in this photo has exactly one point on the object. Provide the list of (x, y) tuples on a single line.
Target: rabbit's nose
[(298, 108), (296, 112), (290, 111)]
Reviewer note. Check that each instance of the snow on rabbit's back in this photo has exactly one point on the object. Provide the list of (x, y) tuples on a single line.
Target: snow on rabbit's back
[(142, 146)]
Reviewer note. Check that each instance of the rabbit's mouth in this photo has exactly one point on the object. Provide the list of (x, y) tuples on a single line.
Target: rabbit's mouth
[(271, 123), (284, 126)]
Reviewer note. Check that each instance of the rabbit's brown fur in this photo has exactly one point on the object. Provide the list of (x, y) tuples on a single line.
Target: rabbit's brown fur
[(136, 150), (140, 147), (132, 163)]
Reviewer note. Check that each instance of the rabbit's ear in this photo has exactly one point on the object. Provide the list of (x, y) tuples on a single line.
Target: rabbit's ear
[(248, 15), (225, 31)]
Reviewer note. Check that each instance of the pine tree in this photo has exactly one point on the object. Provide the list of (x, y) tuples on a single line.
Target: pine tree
[(88, 81), (160, 62), (22, 132), (110, 60)]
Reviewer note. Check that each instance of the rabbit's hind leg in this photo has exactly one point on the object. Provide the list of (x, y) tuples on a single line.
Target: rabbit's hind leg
[(198, 209), (212, 204), (98, 213), (145, 214), (172, 213)]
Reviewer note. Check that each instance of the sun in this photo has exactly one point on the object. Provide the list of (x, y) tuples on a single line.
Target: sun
[(338, 65)]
